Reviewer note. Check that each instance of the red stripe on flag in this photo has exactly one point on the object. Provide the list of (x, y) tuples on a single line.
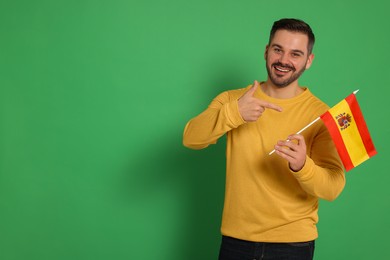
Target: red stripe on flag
[(361, 125), (334, 131)]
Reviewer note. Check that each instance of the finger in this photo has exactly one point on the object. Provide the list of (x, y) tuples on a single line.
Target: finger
[(260, 109), (299, 138), (285, 152), (288, 144), (253, 89), (270, 106)]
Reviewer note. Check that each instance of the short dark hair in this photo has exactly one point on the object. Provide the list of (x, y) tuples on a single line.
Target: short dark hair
[(293, 25)]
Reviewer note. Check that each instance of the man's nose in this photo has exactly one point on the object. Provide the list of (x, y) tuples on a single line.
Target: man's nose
[(283, 58)]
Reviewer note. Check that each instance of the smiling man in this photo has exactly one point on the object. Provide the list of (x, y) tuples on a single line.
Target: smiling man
[(271, 201)]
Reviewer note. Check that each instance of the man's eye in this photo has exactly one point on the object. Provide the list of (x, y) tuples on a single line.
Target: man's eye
[(277, 50)]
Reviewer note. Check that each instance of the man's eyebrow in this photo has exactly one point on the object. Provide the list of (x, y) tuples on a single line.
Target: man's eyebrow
[(276, 45), (280, 47)]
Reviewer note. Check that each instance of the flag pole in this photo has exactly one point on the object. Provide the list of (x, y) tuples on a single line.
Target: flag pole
[(300, 131), (303, 129)]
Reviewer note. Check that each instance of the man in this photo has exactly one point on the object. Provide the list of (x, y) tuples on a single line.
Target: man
[(271, 201)]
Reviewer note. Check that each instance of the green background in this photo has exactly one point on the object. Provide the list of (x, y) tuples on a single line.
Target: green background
[(94, 96)]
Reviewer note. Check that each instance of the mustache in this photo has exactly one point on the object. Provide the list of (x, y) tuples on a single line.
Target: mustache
[(286, 66)]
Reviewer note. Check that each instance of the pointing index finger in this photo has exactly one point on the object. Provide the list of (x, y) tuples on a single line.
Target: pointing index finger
[(271, 106)]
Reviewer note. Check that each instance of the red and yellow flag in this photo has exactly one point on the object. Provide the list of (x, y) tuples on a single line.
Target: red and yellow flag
[(349, 132)]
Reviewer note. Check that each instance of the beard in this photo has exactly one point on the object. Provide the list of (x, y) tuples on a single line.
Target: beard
[(280, 81)]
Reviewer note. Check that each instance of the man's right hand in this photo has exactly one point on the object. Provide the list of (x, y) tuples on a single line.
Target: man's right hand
[(252, 108)]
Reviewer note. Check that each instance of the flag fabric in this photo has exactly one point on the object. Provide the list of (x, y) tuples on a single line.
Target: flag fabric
[(348, 129)]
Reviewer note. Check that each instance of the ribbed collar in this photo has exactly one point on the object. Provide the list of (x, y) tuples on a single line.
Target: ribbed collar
[(302, 96)]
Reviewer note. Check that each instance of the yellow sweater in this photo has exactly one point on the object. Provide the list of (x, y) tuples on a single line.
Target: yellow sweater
[(264, 200)]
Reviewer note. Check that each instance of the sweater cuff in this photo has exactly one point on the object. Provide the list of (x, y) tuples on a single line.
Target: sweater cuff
[(306, 172), (233, 114)]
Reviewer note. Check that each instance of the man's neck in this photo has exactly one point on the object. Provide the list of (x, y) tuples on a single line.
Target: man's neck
[(273, 91)]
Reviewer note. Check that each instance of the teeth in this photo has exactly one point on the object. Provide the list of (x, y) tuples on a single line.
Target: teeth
[(282, 70)]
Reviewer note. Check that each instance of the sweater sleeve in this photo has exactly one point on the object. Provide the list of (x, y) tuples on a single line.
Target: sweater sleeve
[(322, 175), (221, 116)]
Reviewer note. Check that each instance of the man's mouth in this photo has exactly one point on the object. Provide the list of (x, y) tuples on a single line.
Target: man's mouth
[(283, 69)]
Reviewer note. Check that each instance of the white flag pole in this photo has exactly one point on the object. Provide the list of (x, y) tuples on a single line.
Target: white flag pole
[(300, 131), (315, 120)]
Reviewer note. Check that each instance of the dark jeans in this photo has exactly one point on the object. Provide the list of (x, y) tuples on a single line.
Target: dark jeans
[(236, 249)]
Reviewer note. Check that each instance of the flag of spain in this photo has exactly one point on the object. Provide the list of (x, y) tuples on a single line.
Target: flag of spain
[(349, 132)]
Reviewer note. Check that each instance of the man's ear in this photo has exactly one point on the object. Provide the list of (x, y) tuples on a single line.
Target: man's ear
[(266, 51), (309, 60)]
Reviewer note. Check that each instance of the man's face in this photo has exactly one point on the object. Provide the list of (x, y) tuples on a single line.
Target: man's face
[(287, 57)]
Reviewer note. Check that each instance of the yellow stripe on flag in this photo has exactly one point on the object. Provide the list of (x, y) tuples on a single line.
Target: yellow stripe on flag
[(349, 132)]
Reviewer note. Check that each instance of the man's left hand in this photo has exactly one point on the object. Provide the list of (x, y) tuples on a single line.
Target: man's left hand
[(293, 150)]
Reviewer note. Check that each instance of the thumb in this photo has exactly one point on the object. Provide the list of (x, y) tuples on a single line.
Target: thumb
[(253, 89)]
